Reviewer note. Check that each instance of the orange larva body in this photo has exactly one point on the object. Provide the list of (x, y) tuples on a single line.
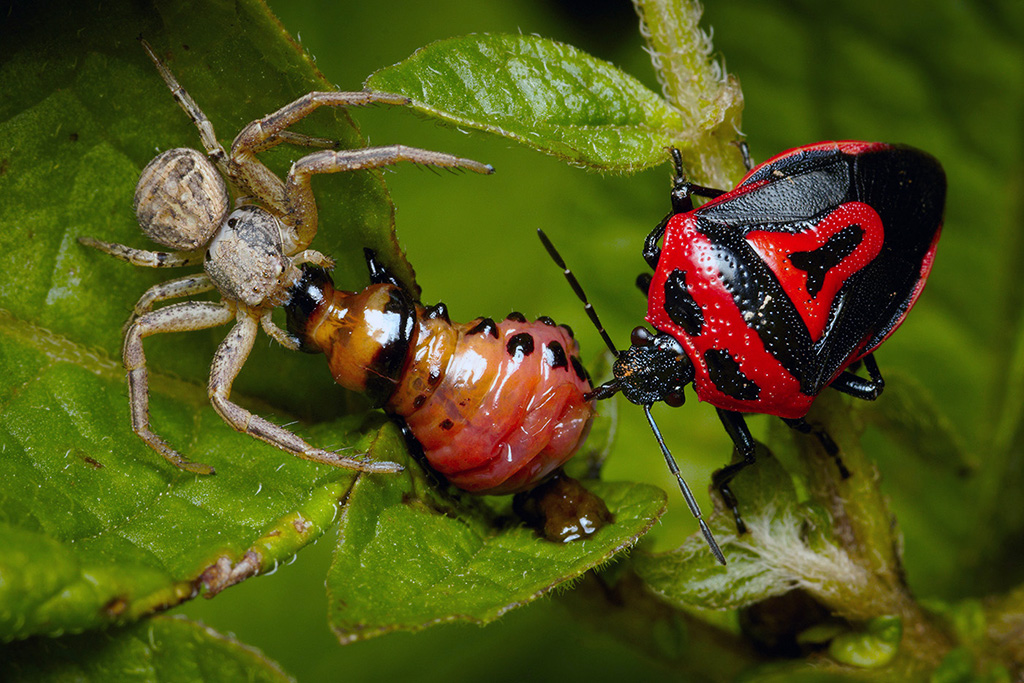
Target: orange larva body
[(495, 406)]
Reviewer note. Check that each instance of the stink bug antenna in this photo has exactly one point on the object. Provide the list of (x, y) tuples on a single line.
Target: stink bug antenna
[(690, 500), (610, 388), (576, 287)]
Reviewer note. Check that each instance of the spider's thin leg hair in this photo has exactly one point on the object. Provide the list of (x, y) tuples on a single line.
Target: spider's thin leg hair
[(302, 213), (303, 140), (578, 289), (227, 363), (144, 258), (182, 317), (206, 133), (690, 500)]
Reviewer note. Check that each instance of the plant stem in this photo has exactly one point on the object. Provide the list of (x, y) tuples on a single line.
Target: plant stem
[(709, 100)]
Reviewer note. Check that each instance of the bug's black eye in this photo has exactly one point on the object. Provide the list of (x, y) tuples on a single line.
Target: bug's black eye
[(640, 337), (232, 222)]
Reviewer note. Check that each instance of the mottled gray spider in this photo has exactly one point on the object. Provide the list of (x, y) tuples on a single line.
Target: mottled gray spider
[(250, 256)]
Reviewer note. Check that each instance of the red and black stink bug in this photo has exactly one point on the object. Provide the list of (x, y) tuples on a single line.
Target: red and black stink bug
[(766, 294), (495, 406)]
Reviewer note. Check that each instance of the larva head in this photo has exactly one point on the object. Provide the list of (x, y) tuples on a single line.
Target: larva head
[(181, 199)]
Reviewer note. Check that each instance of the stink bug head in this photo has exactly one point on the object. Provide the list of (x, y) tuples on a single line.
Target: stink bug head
[(654, 368)]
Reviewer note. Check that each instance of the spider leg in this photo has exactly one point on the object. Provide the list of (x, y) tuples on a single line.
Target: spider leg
[(144, 258), (183, 317), (314, 257), (227, 363), (249, 173), (210, 143), (303, 140), (172, 289), (302, 204), (271, 130), (286, 340)]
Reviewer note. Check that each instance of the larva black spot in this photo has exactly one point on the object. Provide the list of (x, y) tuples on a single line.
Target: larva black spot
[(485, 326), (578, 368), (520, 345), (438, 311), (516, 316), (554, 355)]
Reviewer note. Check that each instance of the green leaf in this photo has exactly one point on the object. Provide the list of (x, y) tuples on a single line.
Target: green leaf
[(785, 542), (97, 528), (547, 95), (410, 558), (162, 649)]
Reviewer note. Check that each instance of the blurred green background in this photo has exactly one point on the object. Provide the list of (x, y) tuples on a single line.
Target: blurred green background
[(944, 76)]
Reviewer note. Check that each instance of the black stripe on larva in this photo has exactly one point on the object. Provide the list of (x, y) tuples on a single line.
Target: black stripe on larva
[(554, 355), (679, 304), (727, 377), (568, 330), (447, 424), (419, 401), (578, 368), (437, 311), (304, 298), (520, 345), (434, 378), (386, 365), (485, 326), (545, 320), (516, 316)]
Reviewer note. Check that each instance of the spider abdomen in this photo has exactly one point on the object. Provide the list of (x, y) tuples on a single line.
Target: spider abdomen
[(495, 406)]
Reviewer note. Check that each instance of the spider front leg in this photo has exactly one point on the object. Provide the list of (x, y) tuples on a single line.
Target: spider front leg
[(302, 212), (247, 171), (227, 363), (183, 317), (143, 257)]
